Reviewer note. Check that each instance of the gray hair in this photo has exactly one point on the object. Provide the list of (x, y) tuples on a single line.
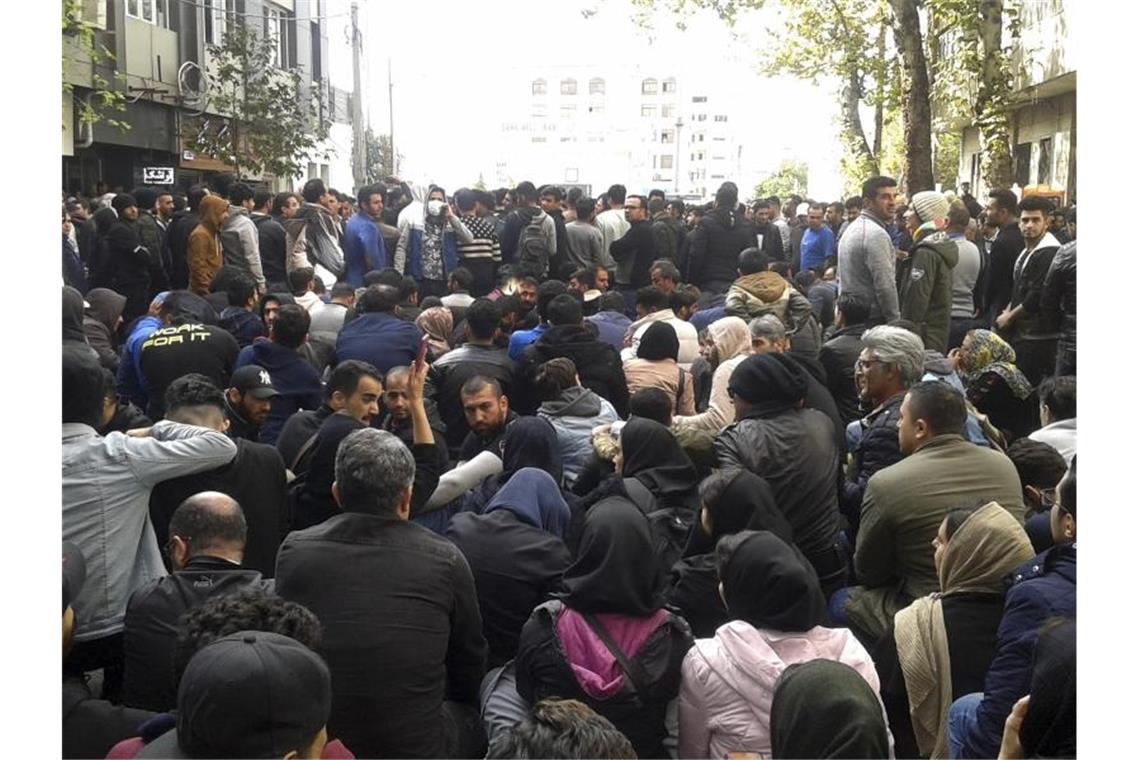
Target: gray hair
[(372, 468), (902, 348), (768, 326)]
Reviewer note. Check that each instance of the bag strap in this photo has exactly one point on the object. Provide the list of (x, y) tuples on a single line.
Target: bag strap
[(641, 496), (635, 671), (680, 385), (305, 448)]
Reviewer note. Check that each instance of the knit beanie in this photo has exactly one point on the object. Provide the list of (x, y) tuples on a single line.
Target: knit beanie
[(123, 201), (930, 205)]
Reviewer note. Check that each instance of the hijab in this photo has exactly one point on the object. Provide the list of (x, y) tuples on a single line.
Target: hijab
[(611, 572), (1049, 728), (824, 709), (531, 442), (772, 383), (105, 306), (988, 352), (659, 342), (731, 337), (987, 547), (73, 316), (767, 585), (651, 454), (104, 219), (745, 504), (534, 498), (437, 323)]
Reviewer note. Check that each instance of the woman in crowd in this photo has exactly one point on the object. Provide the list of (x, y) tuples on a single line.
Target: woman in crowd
[(516, 555), (573, 410), (777, 611), (994, 384), (656, 367), (732, 500), (824, 709), (731, 343), (608, 641), (436, 324), (942, 644)]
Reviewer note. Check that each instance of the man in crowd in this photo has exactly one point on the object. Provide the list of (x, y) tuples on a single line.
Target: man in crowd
[(651, 306), (178, 232), (584, 239), (481, 255), (867, 255), (550, 200), (717, 242), (1059, 306), (665, 228), (927, 292), (1001, 213), (271, 234), (206, 546), (364, 248), (407, 665), (612, 222), (248, 400), (488, 413), (241, 246), (152, 235), (378, 336), (818, 242), (530, 238), (840, 353), (664, 275), (964, 276), (611, 321), (520, 339), (1058, 415)]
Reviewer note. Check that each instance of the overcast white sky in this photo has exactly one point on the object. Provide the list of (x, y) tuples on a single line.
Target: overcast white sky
[(449, 58)]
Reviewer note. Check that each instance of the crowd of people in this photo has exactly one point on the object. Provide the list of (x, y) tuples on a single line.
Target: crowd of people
[(526, 473)]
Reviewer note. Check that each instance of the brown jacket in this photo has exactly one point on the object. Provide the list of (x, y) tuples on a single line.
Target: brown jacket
[(204, 251), (666, 375)]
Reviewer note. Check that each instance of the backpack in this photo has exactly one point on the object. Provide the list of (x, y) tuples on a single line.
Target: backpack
[(669, 526), (533, 254)]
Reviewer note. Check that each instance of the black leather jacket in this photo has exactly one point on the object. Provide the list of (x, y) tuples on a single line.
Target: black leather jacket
[(1059, 295)]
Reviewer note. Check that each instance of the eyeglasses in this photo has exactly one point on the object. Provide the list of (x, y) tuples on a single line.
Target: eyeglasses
[(866, 363)]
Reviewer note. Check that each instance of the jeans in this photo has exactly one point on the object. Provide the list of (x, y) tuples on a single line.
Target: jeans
[(961, 721)]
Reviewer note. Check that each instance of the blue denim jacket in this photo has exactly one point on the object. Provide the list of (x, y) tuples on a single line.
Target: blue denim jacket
[(106, 494)]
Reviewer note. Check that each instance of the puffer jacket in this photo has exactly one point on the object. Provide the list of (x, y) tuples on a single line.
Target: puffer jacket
[(599, 366), (878, 448), (838, 356), (714, 248), (927, 293), (1042, 589), (1059, 296), (755, 295), (565, 658), (204, 249), (574, 415), (727, 684)]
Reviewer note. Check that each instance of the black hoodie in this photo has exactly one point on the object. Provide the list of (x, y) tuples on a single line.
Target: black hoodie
[(715, 247), (599, 365)]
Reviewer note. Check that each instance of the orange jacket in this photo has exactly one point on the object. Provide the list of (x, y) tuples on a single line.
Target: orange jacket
[(203, 251)]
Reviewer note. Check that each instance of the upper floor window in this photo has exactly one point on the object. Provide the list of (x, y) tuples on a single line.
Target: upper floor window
[(279, 28), (538, 87), (720, 118), (648, 86), (668, 110), (155, 12), (700, 99), (649, 111), (669, 85), (597, 86), (569, 87), (218, 15)]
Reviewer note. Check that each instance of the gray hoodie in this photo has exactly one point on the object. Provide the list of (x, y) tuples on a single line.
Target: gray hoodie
[(867, 266), (574, 415)]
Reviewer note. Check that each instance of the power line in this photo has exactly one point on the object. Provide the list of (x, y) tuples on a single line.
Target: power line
[(235, 14)]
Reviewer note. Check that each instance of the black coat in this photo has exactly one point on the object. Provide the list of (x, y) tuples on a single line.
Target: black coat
[(516, 567), (92, 726), (402, 630), (599, 365), (177, 241), (128, 268), (153, 622), (299, 428), (877, 449), (838, 357), (542, 671), (635, 252), (715, 247), (255, 479), (1059, 295), (999, 274), (1028, 288), (271, 244), (447, 375)]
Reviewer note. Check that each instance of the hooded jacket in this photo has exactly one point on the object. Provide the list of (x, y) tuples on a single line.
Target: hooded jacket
[(733, 345), (409, 249), (204, 249), (574, 415), (599, 366), (755, 295), (99, 323), (727, 683), (312, 238), (296, 382), (927, 294), (241, 246), (715, 247)]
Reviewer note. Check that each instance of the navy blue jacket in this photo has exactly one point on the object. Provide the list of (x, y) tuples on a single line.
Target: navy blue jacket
[(1043, 588), (293, 378), (381, 339), (363, 249)]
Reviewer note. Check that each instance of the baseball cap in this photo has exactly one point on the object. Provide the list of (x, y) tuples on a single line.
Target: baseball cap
[(252, 694), (254, 380), (74, 573)]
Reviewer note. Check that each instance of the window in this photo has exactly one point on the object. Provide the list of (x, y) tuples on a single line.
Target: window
[(597, 86), (569, 111), (702, 116), (217, 19), (279, 27), (701, 137), (598, 110), (151, 11), (667, 136), (1045, 162), (669, 85), (649, 111), (668, 110), (719, 139), (538, 139), (648, 86), (538, 87), (700, 99), (538, 110), (720, 118), (1021, 163), (569, 87), (666, 162)]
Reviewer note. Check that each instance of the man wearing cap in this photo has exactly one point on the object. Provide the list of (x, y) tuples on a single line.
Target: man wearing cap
[(255, 478), (90, 726), (128, 261), (402, 632), (206, 546), (248, 401), (927, 293), (250, 694)]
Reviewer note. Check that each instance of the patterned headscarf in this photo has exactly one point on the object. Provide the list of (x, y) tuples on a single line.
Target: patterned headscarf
[(988, 352), (437, 322)]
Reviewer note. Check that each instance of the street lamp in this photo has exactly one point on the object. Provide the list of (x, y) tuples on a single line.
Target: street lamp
[(677, 160)]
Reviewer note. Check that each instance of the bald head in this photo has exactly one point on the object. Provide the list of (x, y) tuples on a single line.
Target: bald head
[(208, 523)]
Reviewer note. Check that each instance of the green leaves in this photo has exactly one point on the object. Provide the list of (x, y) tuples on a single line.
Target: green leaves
[(790, 177)]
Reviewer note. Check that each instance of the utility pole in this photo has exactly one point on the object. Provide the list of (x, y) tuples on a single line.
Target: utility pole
[(391, 126), (359, 175)]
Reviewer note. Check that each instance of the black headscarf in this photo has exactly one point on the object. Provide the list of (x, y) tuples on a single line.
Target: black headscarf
[(73, 316), (772, 383), (613, 571), (1049, 728), (659, 341), (746, 504), (651, 454), (767, 584), (824, 709), (104, 218), (531, 442)]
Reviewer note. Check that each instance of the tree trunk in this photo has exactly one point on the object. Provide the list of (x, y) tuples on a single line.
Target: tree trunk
[(881, 84), (853, 135), (992, 107), (919, 173)]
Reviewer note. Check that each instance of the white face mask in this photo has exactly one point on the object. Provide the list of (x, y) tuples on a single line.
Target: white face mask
[(435, 207)]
